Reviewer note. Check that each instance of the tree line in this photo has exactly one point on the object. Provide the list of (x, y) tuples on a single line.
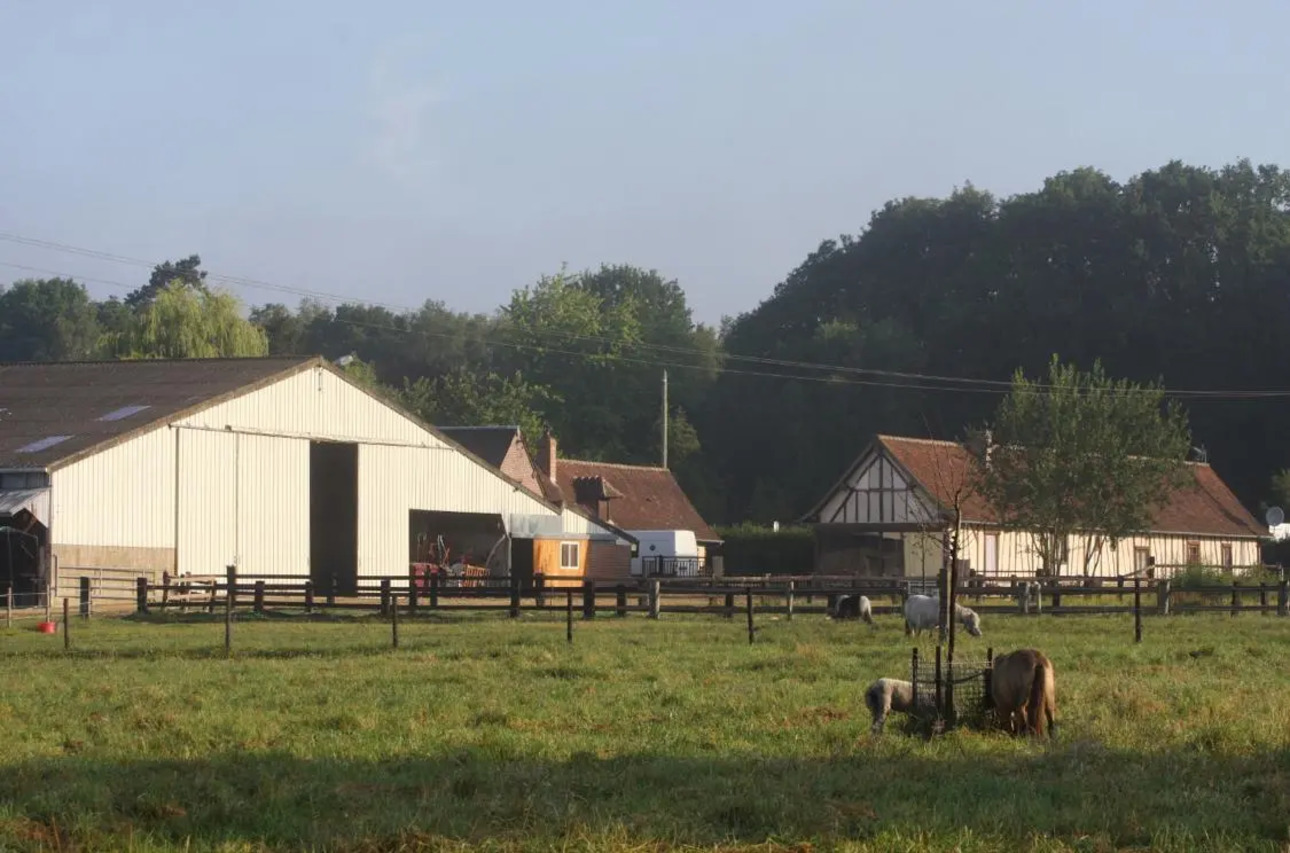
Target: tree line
[(1178, 275)]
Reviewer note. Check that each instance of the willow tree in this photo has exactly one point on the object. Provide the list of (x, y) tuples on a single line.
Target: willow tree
[(1082, 455), (184, 322)]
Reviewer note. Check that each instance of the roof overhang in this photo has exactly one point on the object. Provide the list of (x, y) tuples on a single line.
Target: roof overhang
[(34, 501)]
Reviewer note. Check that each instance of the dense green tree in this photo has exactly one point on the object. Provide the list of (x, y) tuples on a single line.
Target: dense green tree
[(187, 272), (47, 320), (1082, 455), (461, 398)]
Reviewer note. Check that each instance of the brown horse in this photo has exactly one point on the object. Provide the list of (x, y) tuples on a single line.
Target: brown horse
[(1023, 685)]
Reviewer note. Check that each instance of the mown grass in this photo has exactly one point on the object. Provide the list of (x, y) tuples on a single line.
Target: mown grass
[(487, 733)]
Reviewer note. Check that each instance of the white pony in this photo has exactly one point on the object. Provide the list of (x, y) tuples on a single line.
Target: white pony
[(853, 607), (923, 613), (891, 694)]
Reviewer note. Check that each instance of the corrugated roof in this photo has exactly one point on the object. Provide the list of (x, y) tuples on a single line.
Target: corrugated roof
[(1206, 508), (50, 412), (489, 443), (651, 498)]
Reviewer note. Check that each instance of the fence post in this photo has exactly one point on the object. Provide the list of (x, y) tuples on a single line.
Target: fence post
[(568, 615), (228, 623), (621, 600), (1162, 597), (309, 596), (654, 603), (1283, 595), (1137, 608), (394, 621), (1236, 599), (987, 677), (67, 625), (8, 607), (940, 702), (412, 591), (789, 603), (1057, 595), (913, 674), (165, 586), (730, 606), (259, 597), (1263, 599), (751, 629), (331, 591), (588, 599), (385, 596), (539, 589), (230, 581), (1024, 597), (85, 596), (434, 589), (141, 594), (515, 596)]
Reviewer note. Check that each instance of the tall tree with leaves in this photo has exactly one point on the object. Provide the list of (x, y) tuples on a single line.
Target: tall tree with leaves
[(461, 398), (1081, 454), (181, 322), (47, 320), (187, 272)]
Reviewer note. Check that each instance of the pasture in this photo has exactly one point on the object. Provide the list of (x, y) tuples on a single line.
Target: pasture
[(481, 732)]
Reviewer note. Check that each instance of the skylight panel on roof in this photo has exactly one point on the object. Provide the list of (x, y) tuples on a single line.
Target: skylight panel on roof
[(123, 413), (43, 444)]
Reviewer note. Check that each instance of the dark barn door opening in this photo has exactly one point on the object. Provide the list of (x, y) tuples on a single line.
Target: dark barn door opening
[(333, 516), (522, 560)]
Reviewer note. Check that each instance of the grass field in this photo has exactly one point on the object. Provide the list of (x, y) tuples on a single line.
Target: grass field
[(484, 733)]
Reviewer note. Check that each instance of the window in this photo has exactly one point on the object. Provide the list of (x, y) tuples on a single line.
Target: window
[(1193, 553), (1141, 558), (1227, 557), (569, 555), (992, 553)]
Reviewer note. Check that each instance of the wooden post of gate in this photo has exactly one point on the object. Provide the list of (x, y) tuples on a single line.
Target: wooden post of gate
[(228, 623), (1263, 599), (141, 595), (539, 589), (309, 596), (913, 674), (987, 677), (1162, 597), (259, 596), (385, 596), (394, 621), (1283, 595), (620, 600), (67, 624), (655, 605), (1057, 594), (751, 629), (85, 596), (515, 596), (412, 591), (331, 591), (568, 615), (588, 599), (940, 696), (230, 584), (729, 611), (165, 586), (789, 603), (1137, 608), (1236, 598), (8, 607)]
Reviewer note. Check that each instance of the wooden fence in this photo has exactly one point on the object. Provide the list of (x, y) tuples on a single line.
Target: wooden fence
[(772, 595)]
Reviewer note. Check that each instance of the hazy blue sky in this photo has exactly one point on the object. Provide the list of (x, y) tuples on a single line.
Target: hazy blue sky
[(404, 150)]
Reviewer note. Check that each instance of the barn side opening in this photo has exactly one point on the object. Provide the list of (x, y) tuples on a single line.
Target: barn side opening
[(460, 544), (333, 516), (22, 540), (522, 564)]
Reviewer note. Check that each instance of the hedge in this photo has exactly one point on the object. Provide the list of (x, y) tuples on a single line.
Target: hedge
[(752, 550)]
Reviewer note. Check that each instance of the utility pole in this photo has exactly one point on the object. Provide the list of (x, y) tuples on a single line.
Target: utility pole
[(664, 418)]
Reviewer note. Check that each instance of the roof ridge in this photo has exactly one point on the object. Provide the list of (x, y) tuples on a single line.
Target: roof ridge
[(937, 441), (613, 464), (124, 361)]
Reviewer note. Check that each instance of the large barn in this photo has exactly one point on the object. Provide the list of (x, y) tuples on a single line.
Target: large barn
[(280, 466)]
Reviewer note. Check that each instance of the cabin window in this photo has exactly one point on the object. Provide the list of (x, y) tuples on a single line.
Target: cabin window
[(1227, 557), (1141, 559), (1193, 553), (569, 555)]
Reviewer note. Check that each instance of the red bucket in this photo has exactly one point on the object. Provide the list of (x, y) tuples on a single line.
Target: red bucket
[(47, 627)]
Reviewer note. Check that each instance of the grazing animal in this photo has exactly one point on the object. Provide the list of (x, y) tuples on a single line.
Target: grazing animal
[(923, 612), (854, 607), (891, 694), (1023, 687)]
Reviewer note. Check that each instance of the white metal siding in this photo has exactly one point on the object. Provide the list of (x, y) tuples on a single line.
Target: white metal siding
[(273, 502), (123, 496), (207, 516)]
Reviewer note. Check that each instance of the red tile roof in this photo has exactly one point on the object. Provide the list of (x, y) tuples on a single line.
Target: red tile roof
[(651, 498), (1209, 508)]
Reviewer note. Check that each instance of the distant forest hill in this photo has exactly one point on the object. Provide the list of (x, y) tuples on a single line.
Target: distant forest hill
[(1181, 274)]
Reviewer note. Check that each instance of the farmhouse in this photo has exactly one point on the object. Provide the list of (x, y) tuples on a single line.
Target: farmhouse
[(604, 557), (890, 511), (280, 466)]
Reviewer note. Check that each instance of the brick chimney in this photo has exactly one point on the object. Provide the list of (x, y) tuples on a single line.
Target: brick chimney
[(547, 456)]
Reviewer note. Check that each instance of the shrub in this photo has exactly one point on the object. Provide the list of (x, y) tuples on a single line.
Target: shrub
[(750, 549)]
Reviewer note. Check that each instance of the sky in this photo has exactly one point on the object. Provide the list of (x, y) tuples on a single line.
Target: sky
[(398, 151)]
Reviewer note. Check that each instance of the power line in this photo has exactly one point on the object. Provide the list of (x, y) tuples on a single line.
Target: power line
[(909, 380)]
